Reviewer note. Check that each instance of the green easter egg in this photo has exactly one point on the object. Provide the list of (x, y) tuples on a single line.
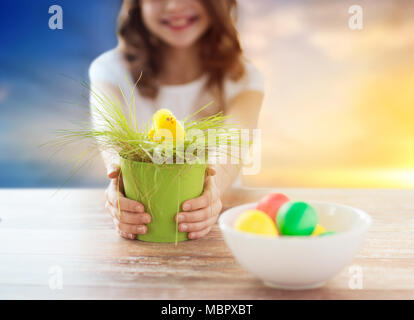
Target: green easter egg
[(327, 233), (296, 219)]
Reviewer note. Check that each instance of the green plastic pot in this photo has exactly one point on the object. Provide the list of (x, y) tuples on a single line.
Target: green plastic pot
[(162, 189)]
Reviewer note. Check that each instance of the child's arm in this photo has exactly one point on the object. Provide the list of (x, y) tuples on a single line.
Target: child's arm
[(243, 110)]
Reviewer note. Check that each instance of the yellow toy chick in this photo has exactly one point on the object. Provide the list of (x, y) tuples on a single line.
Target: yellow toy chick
[(164, 119)]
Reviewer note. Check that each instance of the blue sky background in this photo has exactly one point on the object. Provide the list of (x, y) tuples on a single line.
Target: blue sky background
[(338, 108), (41, 71)]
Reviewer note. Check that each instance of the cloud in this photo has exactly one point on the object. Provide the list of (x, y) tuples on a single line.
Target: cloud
[(324, 26), (373, 40), (261, 29), (318, 102)]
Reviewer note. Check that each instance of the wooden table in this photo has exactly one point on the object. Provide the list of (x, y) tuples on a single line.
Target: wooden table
[(69, 234)]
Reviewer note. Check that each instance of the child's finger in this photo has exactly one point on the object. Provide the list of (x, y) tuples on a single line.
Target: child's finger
[(125, 235), (193, 216), (199, 234), (196, 226), (133, 218), (120, 181), (196, 203), (210, 171), (130, 217), (113, 171), (200, 215), (202, 201), (125, 204), (210, 194), (130, 228)]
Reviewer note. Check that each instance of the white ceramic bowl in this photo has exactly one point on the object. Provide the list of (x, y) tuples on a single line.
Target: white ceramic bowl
[(296, 263)]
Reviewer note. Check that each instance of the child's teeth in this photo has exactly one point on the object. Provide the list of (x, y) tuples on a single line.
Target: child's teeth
[(179, 22)]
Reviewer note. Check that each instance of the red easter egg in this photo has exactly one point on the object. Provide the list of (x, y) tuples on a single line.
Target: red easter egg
[(271, 204)]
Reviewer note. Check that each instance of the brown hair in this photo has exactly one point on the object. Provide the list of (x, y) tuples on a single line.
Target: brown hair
[(221, 52)]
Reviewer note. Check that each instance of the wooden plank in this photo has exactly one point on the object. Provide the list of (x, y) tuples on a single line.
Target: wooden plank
[(72, 231)]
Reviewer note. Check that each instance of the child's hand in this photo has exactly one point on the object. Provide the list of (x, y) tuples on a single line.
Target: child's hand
[(200, 214), (133, 219)]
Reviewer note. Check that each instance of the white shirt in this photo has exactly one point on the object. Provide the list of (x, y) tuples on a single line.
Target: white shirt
[(182, 100)]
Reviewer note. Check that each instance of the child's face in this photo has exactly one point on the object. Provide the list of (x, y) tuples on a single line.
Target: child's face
[(179, 23)]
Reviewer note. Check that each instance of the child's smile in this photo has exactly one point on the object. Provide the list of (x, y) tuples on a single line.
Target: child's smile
[(178, 23)]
